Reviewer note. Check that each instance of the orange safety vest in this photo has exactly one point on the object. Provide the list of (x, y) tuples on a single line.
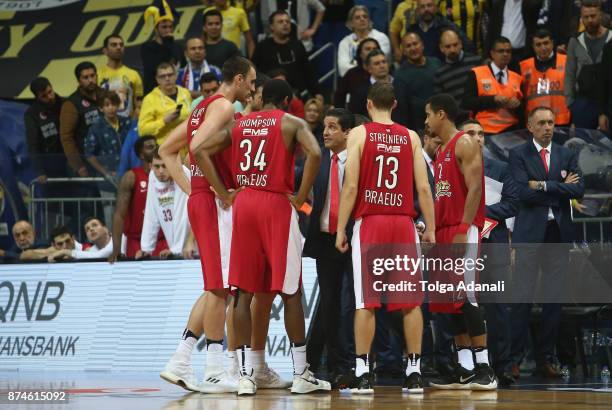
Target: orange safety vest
[(545, 89), (496, 120)]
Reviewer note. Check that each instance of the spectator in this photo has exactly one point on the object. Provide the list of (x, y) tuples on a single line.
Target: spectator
[(105, 137), (584, 55), (165, 107), (605, 95), (452, 76), (403, 17), (378, 68), (42, 131), (543, 78), (236, 23), (162, 48), (209, 84), (379, 10), (218, 49), (313, 115), (25, 243), (129, 159), (280, 51), (296, 106), (300, 17), (361, 26), (115, 76), (414, 83), (79, 112), (189, 76), (63, 238), (429, 25), (356, 75), (98, 235), (467, 16), (493, 92)]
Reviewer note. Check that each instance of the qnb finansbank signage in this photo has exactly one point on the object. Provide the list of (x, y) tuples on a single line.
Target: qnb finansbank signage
[(123, 317)]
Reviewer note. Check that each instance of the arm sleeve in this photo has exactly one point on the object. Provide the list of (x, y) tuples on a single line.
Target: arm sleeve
[(148, 122), (567, 191), (33, 139), (69, 118), (471, 100), (100, 253), (344, 58), (508, 206), (150, 223), (521, 178), (570, 72), (385, 44)]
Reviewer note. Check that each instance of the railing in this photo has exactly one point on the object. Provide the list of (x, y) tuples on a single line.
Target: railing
[(595, 219), (331, 73)]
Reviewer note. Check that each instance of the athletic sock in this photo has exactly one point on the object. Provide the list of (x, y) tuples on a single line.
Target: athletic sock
[(259, 359), (185, 346), (482, 355), (214, 354), (466, 358), (414, 364), (362, 365), (298, 354), (244, 360)]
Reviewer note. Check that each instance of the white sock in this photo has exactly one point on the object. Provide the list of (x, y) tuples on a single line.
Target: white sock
[(259, 359), (466, 360), (298, 353), (414, 364), (361, 366), (232, 359), (185, 347), (482, 355), (244, 361), (214, 356)]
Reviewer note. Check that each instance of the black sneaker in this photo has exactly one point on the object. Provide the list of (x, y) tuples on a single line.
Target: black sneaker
[(362, 384), (459, 379), (342, 381), (413, 383), (485, 378)]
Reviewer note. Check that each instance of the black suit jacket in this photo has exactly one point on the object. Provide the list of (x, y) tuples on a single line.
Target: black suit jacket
[(313, 244), (532, 218)]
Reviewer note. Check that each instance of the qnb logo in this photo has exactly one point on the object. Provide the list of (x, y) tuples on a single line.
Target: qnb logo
[(42, 304), (391, 149), (254, 132)]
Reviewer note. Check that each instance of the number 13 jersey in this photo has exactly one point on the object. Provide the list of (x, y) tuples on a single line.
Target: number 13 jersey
[(260, 158), (386, 177)]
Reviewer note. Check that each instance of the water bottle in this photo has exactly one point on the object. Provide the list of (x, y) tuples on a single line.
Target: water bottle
[(565, 373), (605, 374)]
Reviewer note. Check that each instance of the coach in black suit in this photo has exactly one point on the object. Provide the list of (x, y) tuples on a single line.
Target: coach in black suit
[(547, 177), (332, 266), (496, 252)]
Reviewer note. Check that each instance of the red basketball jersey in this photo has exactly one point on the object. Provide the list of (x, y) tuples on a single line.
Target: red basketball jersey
[(451, 190), (221, 160), (260, 158), (132, 225), (386, 178)]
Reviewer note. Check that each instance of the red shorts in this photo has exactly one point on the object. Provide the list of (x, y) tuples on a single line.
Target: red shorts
[(444, 237), (133, 246), (266, 254), (212, 228), (379, 238)]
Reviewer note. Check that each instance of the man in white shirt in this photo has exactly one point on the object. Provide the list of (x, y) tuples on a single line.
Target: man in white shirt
[(165, 209)]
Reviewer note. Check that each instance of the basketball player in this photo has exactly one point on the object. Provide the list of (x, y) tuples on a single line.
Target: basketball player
[(460, 211), (166, 209), (211, 226), (266, 242), (385, 161)]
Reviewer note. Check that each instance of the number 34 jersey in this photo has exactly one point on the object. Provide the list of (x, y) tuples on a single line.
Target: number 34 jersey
[(386, 177), (260, 158)]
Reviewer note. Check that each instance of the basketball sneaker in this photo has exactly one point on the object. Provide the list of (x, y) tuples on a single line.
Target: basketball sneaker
[(178, 371), (362, 384), (485, 378), (459, 379), (217, 380), (307, 383), (247, 386), (267, 378), (413, 383)]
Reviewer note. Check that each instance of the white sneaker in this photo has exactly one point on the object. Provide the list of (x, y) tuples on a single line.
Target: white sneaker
[(307, 383), (267, 378), (247, 386), (178, 371), (218, 381)]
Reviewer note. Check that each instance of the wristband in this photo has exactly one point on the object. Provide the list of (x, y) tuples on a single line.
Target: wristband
[(463, 228)]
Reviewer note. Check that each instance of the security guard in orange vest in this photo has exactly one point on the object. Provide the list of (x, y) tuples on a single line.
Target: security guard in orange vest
[(493, 92), (544, 78)]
